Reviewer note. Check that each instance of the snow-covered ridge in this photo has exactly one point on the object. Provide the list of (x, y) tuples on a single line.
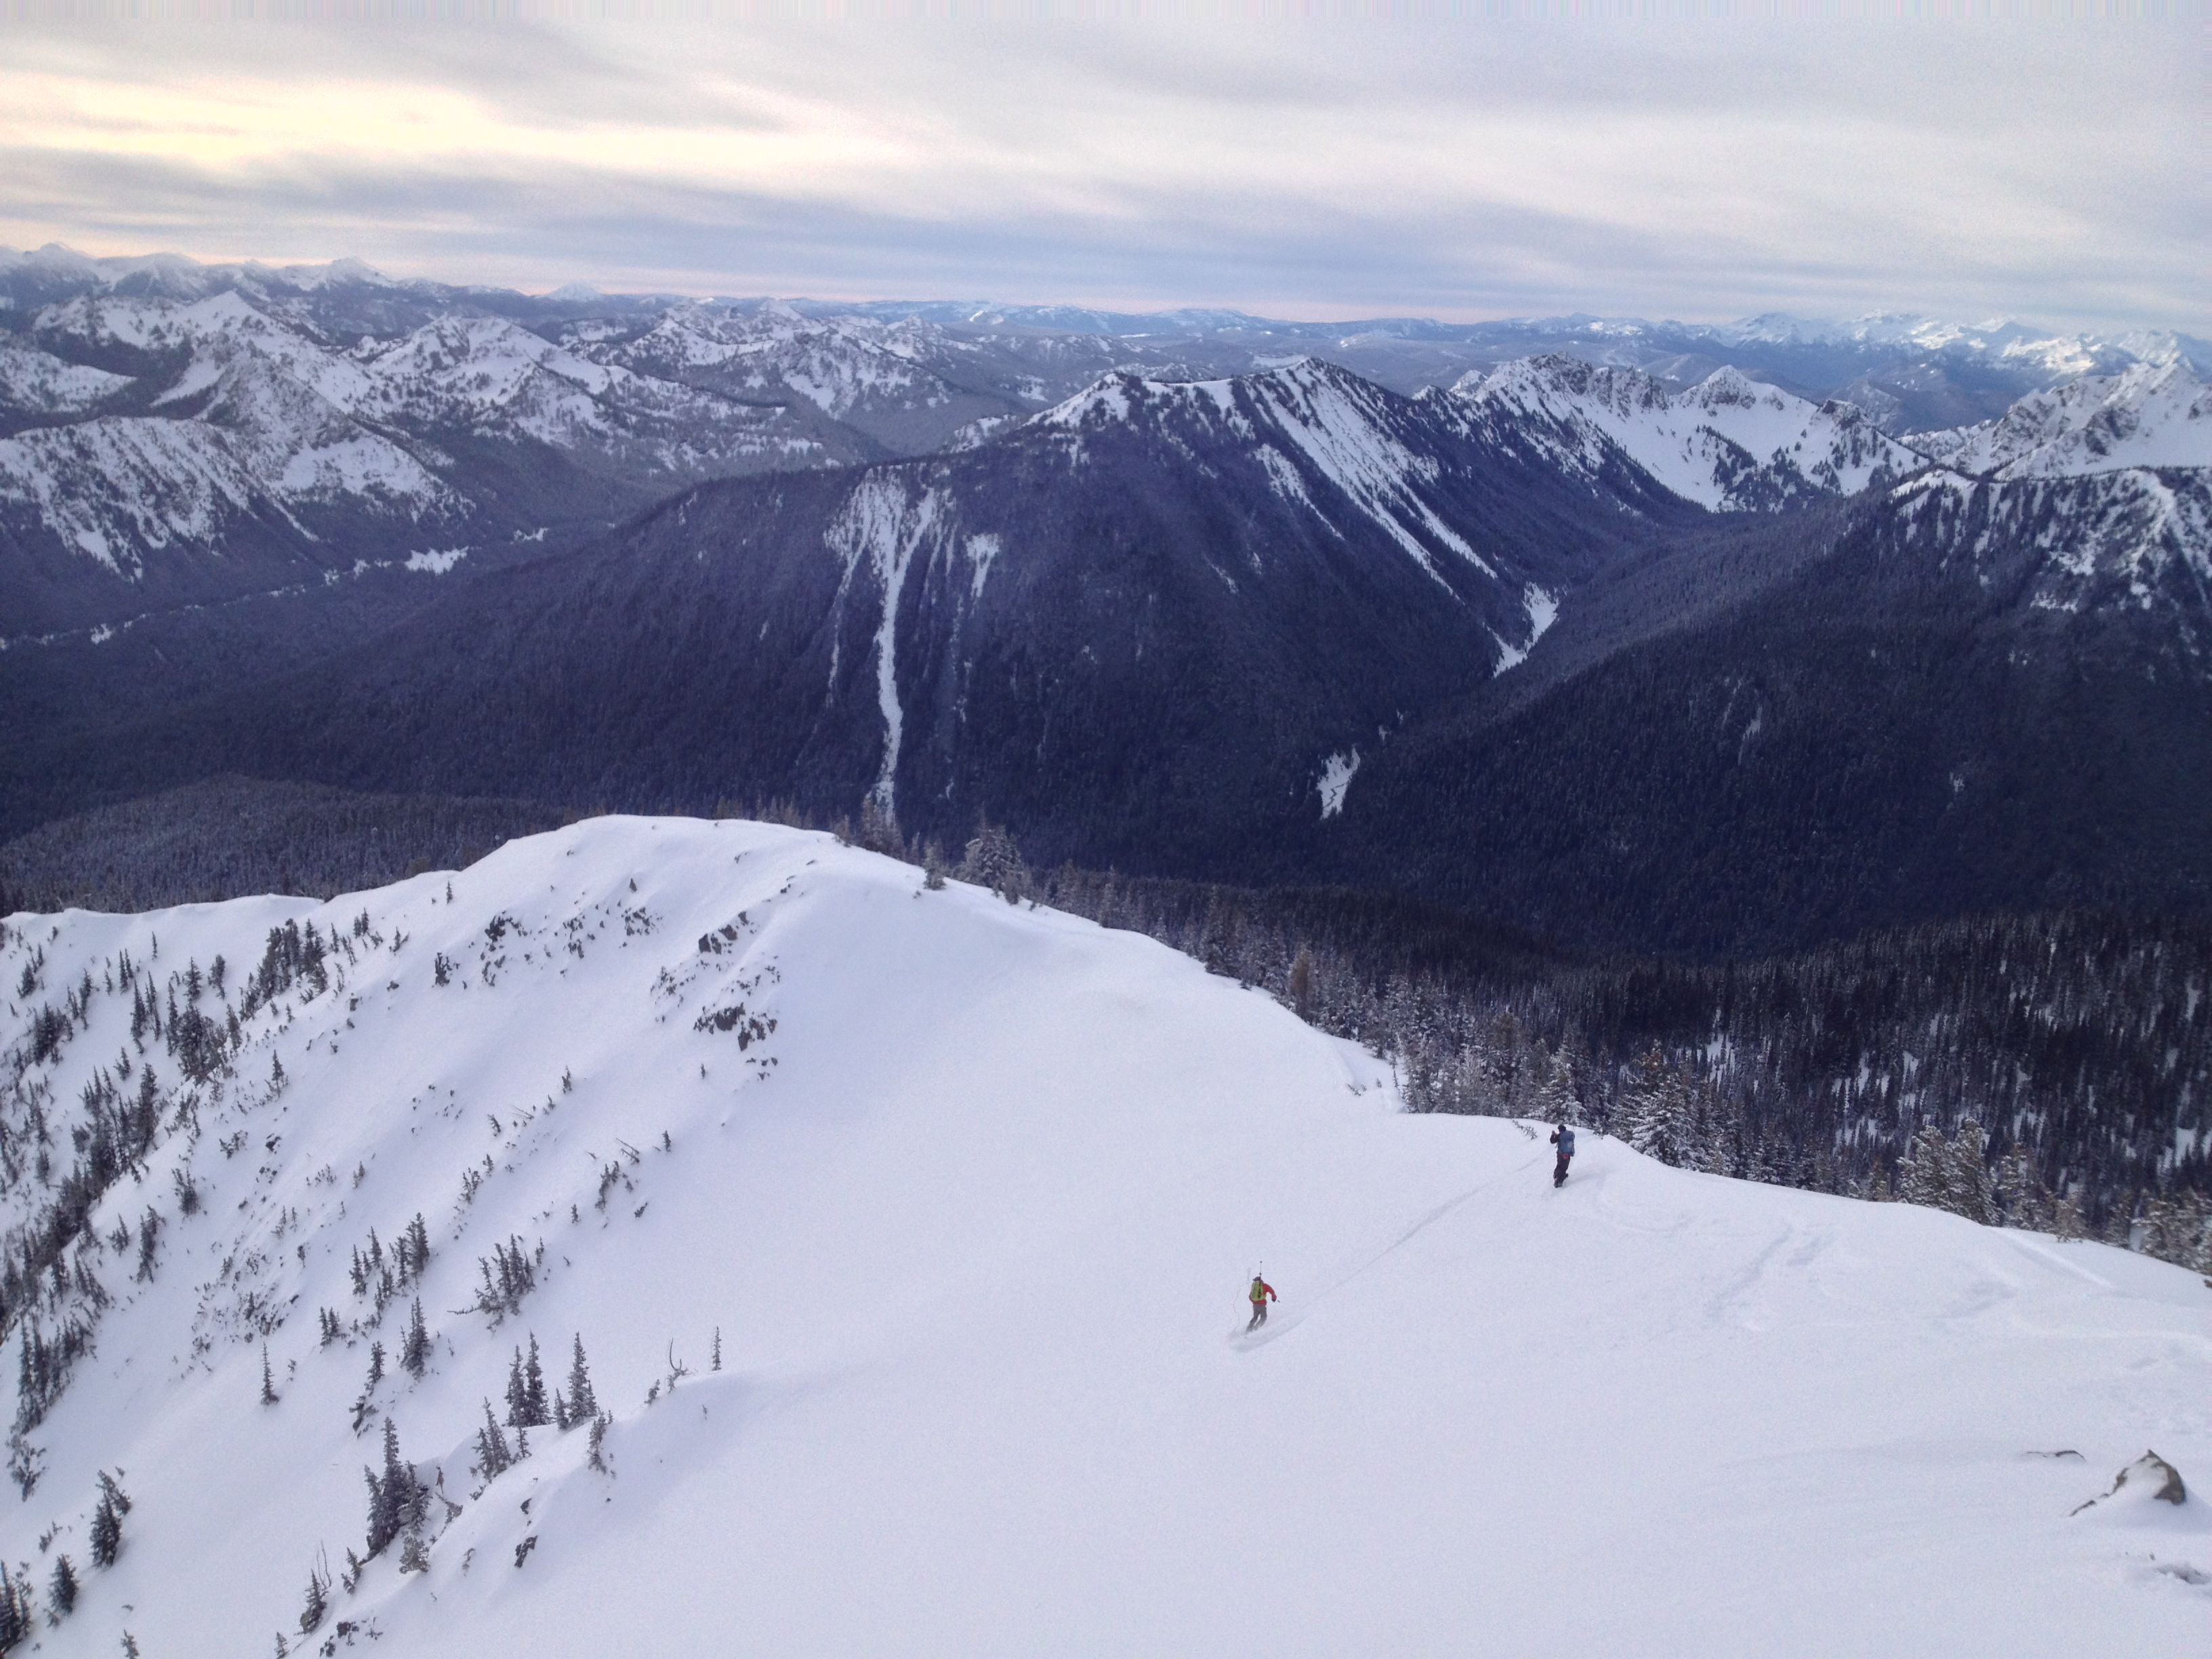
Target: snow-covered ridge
[(267, 419), (2153, 414), (2129, 536), (1728, 443), (1307, 416), (906, 1235), (35, 382)]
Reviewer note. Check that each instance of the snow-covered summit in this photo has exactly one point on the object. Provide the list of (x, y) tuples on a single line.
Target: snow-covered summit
[(1729, 443), (2156, 413), (906, 1235)]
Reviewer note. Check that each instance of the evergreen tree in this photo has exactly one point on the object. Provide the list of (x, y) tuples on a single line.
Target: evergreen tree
[(535, 1412), (493, 1458), (1555, 1100), (268, 1381), (61, 1589), (1970, 1195), (398, 1500), (1923, 1176), (107, 1522), (375, 1364), (879, 830), (318, 1604), (15, 1624), (150, 1231), (582, 1403), (414, 1347), (994, 861), (2020, 1199), (1655, 1116), (517, 1408)]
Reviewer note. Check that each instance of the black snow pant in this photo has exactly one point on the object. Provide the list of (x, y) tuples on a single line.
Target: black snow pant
[(1560, 1173), (1259, 1315)]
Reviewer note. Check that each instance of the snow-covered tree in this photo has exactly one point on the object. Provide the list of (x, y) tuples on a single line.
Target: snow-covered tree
[(398, 1500), (414, 1347), (61, 1588), (527, 1405), (582, 1404), (1949, 1173), (1656, 1113), (492, 1457), (994, 861), (107, 1533), (15, 1611)]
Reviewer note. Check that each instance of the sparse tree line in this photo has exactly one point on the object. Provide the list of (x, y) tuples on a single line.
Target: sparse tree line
[(401, 1499), (52, 1293), (2048, 1071), (19, 1609), (251, 836)]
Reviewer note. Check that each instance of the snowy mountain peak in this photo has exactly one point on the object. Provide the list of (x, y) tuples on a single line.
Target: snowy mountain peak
[(1729, 443), (872, 1236), (1729, 386), (2155, 413)]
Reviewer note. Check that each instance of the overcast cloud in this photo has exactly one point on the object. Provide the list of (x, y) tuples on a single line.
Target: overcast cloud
[(1457, 167)]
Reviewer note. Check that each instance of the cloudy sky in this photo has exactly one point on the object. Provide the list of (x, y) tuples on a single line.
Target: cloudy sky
[(1315, 166)]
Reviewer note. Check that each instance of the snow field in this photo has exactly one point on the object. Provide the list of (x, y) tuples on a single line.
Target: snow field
[(975, 1221)]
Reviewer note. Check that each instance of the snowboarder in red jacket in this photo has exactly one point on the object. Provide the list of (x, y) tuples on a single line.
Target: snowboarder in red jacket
[(1262, 1292)]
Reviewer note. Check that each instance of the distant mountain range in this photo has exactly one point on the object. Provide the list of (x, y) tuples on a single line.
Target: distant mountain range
[(172, 432), (1607, 628)]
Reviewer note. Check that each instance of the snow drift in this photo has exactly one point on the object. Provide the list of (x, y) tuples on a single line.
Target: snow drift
[(971, 1194)]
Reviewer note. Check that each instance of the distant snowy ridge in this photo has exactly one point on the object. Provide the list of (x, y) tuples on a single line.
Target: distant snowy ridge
[(2129, 537), (1341, 427), (1729, 443), (904, 1236), (2156, 415)]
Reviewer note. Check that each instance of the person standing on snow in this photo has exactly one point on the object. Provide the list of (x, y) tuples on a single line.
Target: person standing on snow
[(1262, 1292), (1564, 1138)]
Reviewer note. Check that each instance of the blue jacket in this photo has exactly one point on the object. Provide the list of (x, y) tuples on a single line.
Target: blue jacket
[(1566, 1139)]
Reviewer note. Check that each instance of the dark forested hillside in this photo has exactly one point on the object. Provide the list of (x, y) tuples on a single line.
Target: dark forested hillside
[(228, 836), (1883, 733), (1138, 631)]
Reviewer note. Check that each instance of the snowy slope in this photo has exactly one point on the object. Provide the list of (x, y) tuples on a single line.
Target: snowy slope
[(2155, 414), (971, 1194), (34, 382), (342, 447), (1728, 443), (118, 490), (1351, 434), (2128, 537)]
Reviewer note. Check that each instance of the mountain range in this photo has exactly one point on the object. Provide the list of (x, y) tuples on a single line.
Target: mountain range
[(1622, 644)]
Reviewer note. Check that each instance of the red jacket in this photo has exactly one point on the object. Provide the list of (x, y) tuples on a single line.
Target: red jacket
[(1264, 1291)]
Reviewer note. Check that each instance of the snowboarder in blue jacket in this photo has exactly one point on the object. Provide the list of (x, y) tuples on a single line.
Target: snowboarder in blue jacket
[(1564, 1138)]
